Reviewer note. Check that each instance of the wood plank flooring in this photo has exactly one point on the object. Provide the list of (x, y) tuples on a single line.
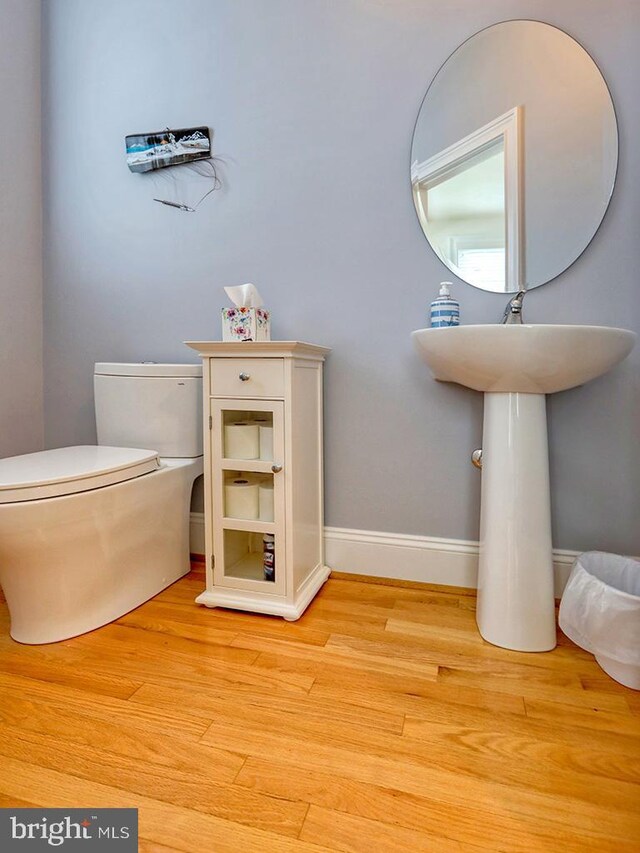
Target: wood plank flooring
[(379, 722)]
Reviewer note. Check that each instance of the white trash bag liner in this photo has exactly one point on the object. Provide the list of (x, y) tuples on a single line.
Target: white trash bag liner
[(600, 612)]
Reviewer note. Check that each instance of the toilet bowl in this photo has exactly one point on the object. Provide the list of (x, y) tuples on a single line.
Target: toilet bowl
[(88, 533)]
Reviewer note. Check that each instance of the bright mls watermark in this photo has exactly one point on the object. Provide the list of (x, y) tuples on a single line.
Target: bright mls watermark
[(34, 830)]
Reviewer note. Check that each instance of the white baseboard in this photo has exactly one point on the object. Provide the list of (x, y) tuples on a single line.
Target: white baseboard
[(196, 533), (428, 559)]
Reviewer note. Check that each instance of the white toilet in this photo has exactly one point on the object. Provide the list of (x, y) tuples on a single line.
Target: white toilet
[(89, 533)]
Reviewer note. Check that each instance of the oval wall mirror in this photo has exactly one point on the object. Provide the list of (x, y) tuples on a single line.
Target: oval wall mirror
[(514, 156)]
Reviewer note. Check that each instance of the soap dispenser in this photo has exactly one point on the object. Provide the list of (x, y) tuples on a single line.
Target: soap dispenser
[(445, 310)]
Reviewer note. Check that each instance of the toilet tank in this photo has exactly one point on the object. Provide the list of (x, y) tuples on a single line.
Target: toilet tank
[(151, 406)]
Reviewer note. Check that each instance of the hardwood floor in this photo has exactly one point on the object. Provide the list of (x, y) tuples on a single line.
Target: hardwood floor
[(378, 722)]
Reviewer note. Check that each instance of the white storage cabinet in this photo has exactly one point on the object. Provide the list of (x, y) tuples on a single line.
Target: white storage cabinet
[(275, 387)]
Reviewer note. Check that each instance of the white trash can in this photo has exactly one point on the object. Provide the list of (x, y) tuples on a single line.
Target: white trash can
[(600, 612)]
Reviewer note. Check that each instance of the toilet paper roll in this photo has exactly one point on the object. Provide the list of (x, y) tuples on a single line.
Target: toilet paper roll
[(266, 442), (241, 499), (265, 501), (242, 440), (252, 478)]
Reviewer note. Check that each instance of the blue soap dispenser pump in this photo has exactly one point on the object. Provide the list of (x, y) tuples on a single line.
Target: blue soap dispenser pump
[(445, 310)]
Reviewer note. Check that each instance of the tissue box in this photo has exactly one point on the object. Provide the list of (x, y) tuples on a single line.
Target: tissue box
[(246, 324)]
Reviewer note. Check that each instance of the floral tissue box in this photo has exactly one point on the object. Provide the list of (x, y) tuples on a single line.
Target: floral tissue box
[(246, 324)]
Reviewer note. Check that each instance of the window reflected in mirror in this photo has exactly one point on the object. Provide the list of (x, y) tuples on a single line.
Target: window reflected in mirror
[(463, 213), (469, 199)]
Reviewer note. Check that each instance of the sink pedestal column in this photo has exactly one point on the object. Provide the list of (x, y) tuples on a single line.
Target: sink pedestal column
[(516, 608)]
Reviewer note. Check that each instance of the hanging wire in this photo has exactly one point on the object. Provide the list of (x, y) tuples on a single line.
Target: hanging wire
[(205, 168)]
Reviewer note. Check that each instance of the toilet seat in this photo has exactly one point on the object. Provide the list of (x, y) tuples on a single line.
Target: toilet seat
[(68, 470)]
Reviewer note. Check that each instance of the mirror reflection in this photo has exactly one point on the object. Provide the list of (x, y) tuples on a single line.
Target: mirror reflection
[(514, 156)]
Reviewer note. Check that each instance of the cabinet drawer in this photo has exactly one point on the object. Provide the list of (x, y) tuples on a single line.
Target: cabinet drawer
[(265, 377)]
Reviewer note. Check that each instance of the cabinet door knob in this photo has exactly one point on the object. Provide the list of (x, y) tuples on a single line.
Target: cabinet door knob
[(244, 377), (276, 469)]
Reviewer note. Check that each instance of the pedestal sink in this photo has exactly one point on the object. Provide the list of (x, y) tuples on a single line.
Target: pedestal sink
[(516, 366)]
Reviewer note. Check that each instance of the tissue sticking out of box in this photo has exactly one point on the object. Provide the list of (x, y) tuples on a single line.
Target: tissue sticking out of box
[(248, 320), (244, 296)]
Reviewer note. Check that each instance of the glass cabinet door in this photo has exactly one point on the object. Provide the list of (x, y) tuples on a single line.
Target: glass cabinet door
[(247, 456)]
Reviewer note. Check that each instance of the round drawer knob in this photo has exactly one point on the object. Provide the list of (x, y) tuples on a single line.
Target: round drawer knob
[(244, 377), (276, 469)]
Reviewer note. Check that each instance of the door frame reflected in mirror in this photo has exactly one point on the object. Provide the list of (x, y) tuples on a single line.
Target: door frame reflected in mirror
[(506, 131)]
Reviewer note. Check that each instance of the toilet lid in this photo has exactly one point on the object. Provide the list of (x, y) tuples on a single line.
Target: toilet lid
[(67, 470)]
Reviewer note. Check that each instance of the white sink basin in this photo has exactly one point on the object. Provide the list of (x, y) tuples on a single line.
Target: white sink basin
[(516, 366), (528, 359)]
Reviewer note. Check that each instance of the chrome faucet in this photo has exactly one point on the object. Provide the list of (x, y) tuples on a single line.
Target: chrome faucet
[(513, 311)]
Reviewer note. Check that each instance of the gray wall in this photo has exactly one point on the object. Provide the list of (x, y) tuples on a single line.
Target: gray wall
[(313, 106), (21, 412)]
